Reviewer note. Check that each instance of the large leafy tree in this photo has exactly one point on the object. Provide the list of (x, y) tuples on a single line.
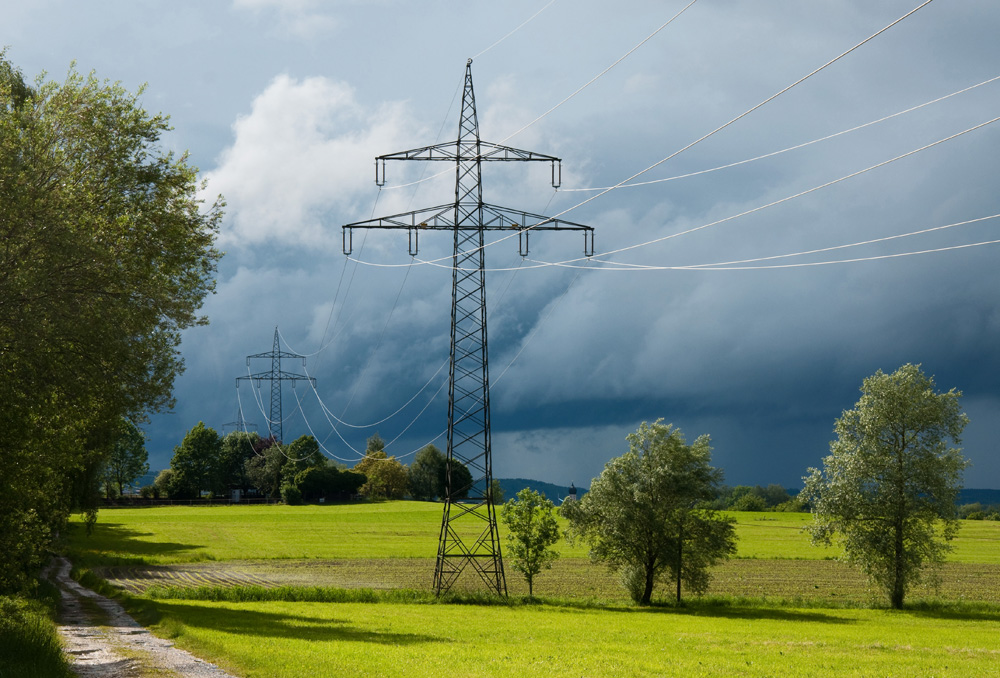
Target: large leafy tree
[(427, 474), (237, 449), (196, 463), (106, 255), (532, 531), (128, 459), (387, 477), (887, 490), (644, 515)]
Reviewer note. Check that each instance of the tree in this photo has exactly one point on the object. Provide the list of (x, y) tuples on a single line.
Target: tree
[(427, 474), (496, 492), (642, 515), (328, 482), (387, 477), (301, 453), (237, 449), (106, 258), (888, 489), (129, 458), (532, 531), (264, 468), (196, 463)]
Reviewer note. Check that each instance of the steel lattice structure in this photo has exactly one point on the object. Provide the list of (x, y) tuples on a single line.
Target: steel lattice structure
[(469, 534), (275, 375)]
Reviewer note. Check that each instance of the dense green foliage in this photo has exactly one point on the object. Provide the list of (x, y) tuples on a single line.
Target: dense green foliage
[(196, 463), (386, 476), (106, 258), (128, 459), (427, 474), (29, 644), (888, 488), (641, 515), (532, 531)]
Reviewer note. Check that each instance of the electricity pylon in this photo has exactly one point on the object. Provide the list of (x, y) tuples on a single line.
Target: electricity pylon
[(275, 375), (239, 424), (468, 526)]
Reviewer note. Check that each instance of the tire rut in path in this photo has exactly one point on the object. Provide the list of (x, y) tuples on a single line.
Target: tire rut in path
[(116, 646)]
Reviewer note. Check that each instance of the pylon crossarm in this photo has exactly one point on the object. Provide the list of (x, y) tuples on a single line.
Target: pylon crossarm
[(488, 151)]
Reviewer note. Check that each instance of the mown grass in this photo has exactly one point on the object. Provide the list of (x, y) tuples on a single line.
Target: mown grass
[(293, 639), (29, 643), (346, 591), (183, 534)]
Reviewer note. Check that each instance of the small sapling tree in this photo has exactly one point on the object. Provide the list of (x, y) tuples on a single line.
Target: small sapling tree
[(533, 530)]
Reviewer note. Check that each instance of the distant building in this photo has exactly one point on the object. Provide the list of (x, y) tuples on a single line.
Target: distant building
[(572, 493)]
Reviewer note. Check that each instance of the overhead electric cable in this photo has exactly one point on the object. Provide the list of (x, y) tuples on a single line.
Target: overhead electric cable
[(522, 25), (577, 91), (784, 150), (797, 195), (602, 258), (378, 344), (602, 73), (748, 111), (842, 247), (685, 148)]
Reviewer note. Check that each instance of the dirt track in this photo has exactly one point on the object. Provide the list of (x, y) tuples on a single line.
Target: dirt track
[(102, 641)]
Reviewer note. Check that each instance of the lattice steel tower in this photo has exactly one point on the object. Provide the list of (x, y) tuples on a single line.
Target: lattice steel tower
[(469, 527), (275, 375)]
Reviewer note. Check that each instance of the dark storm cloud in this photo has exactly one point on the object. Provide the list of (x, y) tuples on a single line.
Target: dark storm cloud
[(286, 122)]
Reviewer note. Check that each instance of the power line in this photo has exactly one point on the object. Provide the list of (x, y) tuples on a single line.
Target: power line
[(784, 150), (709, 134), (610, 265), (522, 25)]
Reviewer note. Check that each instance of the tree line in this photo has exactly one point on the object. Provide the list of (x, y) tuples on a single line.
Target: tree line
[(207, 464)]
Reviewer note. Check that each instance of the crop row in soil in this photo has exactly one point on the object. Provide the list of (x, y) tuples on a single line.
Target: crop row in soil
[(569, 578)]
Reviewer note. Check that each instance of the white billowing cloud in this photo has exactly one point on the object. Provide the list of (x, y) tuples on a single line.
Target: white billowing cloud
[(304, 150)]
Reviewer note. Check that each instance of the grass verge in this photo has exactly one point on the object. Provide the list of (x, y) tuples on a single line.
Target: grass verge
[(29, 643)]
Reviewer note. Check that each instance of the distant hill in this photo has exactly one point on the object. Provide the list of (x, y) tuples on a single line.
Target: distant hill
[(555, 493), (986, 497)]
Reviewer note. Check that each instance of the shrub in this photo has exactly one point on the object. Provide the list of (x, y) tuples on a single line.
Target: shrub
[(750, 502), (291, 494)]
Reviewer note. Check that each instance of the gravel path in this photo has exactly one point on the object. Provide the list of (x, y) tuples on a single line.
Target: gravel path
[(102, 641)]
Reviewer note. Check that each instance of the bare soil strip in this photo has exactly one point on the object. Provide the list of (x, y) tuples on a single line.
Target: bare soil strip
[(569, 577), (102, 641)]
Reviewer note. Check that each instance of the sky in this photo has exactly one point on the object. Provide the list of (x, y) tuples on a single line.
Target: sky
[(689, 311)]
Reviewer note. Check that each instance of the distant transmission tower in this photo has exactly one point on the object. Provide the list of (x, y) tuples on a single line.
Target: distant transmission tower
[(239, 424), (275, 375), (468, 527)]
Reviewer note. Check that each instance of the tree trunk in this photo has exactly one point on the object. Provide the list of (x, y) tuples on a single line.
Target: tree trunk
[(898, 583), (647, 594), (680, 557)]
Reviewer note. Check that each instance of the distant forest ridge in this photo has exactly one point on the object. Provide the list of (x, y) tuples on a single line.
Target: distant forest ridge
[(552, 492)]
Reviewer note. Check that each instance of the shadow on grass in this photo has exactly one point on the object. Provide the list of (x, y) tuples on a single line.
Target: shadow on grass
[(244, 622), (115, 544), (954, 611)]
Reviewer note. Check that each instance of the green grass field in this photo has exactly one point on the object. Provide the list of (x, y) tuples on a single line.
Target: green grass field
[(783, 607)]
